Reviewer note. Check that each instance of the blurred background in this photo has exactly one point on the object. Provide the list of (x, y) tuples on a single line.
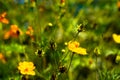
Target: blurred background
[(38, 31)]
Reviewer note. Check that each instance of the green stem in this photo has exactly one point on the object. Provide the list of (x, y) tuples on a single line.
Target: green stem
[(96, 68), (70, 61), (76, 36), (64, 57)]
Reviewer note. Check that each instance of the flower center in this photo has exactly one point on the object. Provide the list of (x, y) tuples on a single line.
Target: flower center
[(26, 70), (76, 45)]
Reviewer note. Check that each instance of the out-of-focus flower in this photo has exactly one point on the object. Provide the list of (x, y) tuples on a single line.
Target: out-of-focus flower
[(63, 50), (26, 68), (32, 3), (116, 38), (118, 5), (29, 32), (74, 47), (13, 32), (66, 43), (62, 2), (117, 58), (3, 19), (50, 24), (2, 58)]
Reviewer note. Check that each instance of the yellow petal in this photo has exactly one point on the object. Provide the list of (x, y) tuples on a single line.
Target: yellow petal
[(117, 58), (31, 73), (80, 50), (116, 38)]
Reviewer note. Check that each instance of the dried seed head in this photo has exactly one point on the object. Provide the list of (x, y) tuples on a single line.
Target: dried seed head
[(97, 51), (53, 77), (39, 52), (62, 69), (80, 28), (52, 45)]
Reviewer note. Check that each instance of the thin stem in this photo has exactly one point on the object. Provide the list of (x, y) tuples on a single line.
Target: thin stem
[(76, 36), (64, 57), (96, 68), (70, 61), (55, 61)]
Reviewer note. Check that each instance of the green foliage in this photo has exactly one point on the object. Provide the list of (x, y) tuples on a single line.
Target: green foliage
[(54, 23)]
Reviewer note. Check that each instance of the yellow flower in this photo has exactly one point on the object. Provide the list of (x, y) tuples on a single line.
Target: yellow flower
[(116, 38), (118, 4), (117, 58), (74, 47), (26, 68)]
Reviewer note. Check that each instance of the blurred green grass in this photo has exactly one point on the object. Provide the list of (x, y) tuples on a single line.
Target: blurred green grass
[(54, 24)]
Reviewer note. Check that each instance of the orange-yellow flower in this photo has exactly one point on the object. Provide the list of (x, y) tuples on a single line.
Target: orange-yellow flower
[(74, 47), (26, 68), (116, 38), (3, 19), (2, 58), (29, 32), (118, 4), (13, 32)]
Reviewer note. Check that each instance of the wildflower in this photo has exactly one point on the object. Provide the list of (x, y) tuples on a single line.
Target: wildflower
[(116, 38), (117, 58), (32, 4), (50, 24), (13, 32), (29, 31), (3, 19), (118, 5), (63, 50), (62, 3), (2, 58), (74, 47), (26, 68), (66, 43)]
